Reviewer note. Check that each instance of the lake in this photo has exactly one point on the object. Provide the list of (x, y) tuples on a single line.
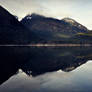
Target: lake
[(45, 69)]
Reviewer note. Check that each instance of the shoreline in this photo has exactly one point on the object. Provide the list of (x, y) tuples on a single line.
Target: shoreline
[(46, 45)]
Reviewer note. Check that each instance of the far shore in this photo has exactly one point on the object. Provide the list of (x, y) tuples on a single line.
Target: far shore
[(45, 45)]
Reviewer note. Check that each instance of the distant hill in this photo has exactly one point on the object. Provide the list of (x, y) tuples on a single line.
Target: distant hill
[(51, 30)]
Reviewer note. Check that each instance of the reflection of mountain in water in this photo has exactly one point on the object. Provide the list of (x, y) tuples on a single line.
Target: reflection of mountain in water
[(35, 61), (52, 59)]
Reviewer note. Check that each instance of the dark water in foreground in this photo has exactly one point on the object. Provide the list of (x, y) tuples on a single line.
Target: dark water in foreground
[(45, 69)]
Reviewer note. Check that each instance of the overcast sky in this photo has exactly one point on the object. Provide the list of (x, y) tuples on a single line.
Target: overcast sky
[(80, 10)]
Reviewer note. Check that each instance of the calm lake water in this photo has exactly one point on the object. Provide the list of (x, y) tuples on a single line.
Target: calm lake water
[(45, 69)]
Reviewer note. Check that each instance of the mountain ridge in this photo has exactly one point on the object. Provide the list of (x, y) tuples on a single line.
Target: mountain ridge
[(11, 30), (51, 30), (74, 23), (37, 28)]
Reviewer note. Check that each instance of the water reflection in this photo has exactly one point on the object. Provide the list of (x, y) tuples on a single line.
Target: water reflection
[(36, 61), (79, 80), (52, 59)]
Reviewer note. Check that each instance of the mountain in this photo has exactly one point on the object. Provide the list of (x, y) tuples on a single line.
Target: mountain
[(36, 28), (74, 23), (51, 30), (11, 30)]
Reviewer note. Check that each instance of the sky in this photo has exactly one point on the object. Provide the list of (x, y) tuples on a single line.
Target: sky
[(80, 10)]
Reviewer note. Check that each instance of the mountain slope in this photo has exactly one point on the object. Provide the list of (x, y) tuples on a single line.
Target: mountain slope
[(83, 37), (40, 29), (51, 30), (11, 30), (75, 23)]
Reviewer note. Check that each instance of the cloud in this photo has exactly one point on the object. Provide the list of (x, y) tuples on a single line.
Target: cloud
[(78, 9)]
